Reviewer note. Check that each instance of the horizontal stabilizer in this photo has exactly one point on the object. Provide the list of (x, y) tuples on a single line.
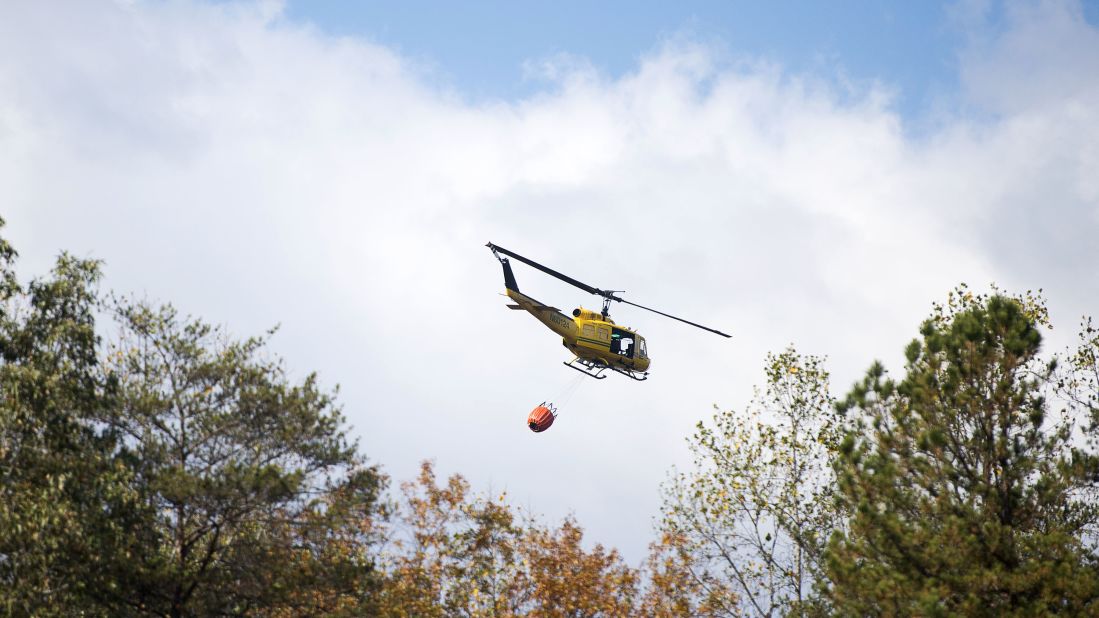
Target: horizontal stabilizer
[(538, 308)]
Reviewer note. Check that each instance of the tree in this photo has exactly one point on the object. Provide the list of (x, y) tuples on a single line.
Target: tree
[(332, 549), (461, 555), (65, 502), (751, 520), (250, 478), (1077, 379), (672, 587), (567, 580), (966, 492), (454, 554)]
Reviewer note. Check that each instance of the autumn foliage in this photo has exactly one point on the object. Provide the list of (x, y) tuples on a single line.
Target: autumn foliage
[(455, 553)]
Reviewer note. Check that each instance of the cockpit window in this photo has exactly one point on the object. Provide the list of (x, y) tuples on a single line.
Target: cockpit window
[(644, 353), (622, 342)]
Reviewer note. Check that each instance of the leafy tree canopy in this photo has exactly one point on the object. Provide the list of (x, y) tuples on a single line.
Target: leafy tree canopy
[(967, 491)]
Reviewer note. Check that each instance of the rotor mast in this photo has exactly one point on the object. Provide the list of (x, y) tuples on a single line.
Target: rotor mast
[(606, 312)]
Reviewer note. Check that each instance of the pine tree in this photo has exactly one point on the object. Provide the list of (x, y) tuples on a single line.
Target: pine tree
[(261, 503), (966, 489)]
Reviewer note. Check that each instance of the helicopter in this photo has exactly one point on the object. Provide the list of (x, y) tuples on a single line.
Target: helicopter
[(596, 341)]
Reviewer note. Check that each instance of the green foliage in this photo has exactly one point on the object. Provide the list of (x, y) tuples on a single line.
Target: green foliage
[(754, 514), (966, 494), (183, 475), (250, 476), (65, 501)]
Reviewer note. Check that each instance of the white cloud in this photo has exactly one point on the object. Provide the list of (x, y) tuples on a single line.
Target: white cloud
[(1042, 60), (256, 171)]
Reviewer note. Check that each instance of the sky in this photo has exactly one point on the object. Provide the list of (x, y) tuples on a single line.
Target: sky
[(491, 49), (803, 174)]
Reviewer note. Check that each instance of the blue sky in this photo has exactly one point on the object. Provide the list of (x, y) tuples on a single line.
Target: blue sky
[(479, 48)]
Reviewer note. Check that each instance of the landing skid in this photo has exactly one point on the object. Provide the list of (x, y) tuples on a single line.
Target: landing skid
[(633, 375), (595, 369)]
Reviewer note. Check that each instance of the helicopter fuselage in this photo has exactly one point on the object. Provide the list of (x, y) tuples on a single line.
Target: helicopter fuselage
[(589, 335)]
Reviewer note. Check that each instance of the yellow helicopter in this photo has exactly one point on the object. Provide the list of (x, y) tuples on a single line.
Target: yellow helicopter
[(595, 340)]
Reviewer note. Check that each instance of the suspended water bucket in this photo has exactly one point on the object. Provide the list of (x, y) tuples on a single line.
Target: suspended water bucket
[(541, 417)]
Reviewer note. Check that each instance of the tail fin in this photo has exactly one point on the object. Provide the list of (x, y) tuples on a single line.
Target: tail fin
[(509, 278)]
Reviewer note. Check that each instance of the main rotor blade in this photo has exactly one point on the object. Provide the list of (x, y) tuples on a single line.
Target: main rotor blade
[(609, 295), (549, 271), (674, 318)]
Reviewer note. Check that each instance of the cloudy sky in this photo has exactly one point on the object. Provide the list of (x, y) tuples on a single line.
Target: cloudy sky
[(797, 174)]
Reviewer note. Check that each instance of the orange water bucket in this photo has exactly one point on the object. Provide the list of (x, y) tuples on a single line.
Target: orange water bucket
[(541, 418)]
